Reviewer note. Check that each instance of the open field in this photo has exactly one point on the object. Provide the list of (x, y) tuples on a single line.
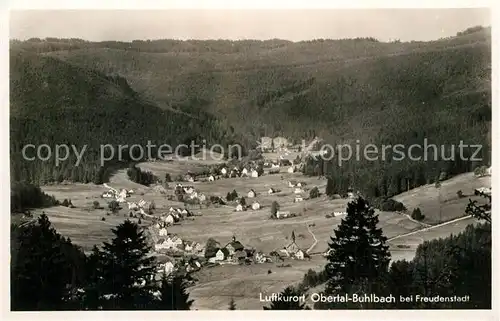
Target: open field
[(255, 229), (218, 285), (443, 204)]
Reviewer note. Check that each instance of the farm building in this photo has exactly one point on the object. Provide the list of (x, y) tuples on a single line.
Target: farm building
[(271, 191), (291, 169), (292, 184), (251, 194), (298, 199), (244, 172), (254, 173), (234, 246), (239, 208), (221, 255), (211, 178), (223, 171), (163, 232), (298, 190), (168, 219), (133, 206), (255, 206), (108, 194), (283, 214)]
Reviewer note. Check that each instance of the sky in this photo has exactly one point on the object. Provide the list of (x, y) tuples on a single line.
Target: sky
[(294, 25)]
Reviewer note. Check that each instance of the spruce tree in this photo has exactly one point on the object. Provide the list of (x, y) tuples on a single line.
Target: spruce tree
[(44, 268), (232, 305), (330, 188), (359, 257), (173, 295), (128, 269), (280, 304)]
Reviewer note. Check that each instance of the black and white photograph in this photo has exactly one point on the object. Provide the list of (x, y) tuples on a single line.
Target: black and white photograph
[(250, 159)]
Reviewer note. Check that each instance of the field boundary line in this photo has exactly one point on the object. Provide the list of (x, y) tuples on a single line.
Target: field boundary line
[(430, 228)]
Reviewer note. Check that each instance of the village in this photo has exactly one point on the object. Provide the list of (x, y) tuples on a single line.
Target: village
[(176, 252), (257, 219)]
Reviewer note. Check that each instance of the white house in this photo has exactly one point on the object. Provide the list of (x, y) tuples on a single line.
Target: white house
[(188, 190), (271, 191), (133, 206), (211, 178), (298, 190), (291, 184), (223, 171), (298, 199), (244, 172), (275, 166), (168, 268), (163, 232), (251, 194), (291, 169), (299, 255), (299, 184), (282, 214), (169, 219), (239, 208), (260, 257), (161, 244), (254, 173), (222, 254), (108, 194), (173, 242), (255, 206), (123, 194)]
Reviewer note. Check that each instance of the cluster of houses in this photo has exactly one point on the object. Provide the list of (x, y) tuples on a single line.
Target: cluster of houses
[(293, 251), (248, 171), (254, 206), (173, 215), (168, 265), (119, 196), (298, 190), (235, 253), (190, 193), (170, 242)]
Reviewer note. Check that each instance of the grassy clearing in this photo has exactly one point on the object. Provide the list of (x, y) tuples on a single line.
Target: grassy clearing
[(443, 204), (255, 229)]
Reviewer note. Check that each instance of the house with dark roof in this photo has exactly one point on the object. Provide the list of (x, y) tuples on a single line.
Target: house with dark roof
[(234, 246)]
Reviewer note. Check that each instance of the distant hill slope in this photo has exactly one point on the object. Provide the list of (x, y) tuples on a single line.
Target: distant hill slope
[(53, 102), (285, 88), (340, 90)]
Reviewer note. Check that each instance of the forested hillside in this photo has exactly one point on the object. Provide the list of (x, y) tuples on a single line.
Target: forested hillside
[(341, 90), (53, 102)]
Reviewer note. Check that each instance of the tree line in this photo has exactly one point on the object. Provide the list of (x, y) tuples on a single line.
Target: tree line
[(359, 263), (49, 272)]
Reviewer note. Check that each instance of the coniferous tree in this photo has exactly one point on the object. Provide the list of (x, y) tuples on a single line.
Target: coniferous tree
[(232, 305), (173, 295), (280, 304), (330, 188), (128, 269), (94, 287), (359, 257), (44, 268)]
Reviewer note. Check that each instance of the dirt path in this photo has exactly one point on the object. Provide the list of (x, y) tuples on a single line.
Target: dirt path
[(314, 237)]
